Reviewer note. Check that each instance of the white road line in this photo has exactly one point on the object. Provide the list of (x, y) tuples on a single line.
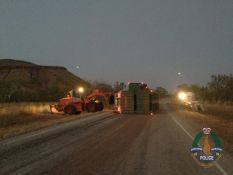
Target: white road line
[(219, 167)]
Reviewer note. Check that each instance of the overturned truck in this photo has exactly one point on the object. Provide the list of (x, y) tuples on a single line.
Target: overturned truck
[(138, 99)]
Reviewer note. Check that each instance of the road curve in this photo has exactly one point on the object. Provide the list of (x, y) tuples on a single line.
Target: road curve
[(110, 144)]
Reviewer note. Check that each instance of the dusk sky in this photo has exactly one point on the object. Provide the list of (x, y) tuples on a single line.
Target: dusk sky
[(122, 40)]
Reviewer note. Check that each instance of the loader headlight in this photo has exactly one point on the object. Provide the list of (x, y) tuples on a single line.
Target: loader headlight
[(80, 90)]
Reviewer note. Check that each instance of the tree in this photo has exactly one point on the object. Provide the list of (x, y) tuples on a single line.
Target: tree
[(102, 86), (119, 86), (162, 92), (183, 87), (221, 87)]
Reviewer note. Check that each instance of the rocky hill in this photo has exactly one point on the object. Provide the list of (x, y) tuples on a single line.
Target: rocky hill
[(25, 81)]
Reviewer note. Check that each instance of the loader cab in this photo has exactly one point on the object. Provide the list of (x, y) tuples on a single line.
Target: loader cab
[(74, 96)]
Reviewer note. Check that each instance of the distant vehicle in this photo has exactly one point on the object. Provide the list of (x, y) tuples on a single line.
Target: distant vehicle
[(186, 97), (75, 104), (188, 100), (138, 99)]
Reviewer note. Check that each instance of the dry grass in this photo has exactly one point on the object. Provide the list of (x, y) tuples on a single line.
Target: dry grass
[(19, 118), (24, 108), (21, 113), (17, 125), (219, 110)]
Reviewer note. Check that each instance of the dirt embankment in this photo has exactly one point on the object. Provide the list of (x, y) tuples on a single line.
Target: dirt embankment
[(218, 117)]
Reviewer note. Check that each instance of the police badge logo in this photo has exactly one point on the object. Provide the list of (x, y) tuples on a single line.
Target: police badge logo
[(206, 148)]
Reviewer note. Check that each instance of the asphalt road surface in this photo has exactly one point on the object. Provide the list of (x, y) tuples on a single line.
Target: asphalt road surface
[(108, 144)]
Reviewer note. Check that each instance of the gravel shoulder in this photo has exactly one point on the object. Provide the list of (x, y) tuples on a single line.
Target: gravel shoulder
[(21, 124)]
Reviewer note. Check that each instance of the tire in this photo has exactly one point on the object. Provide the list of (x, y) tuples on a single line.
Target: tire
[(69, 110), (100, 106), (91, 107), (78, 112)]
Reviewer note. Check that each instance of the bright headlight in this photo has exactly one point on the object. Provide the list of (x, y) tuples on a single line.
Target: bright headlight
[(80, 90), (182, 96)]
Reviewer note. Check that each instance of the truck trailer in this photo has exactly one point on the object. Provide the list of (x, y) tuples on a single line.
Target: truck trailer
[(138, 99)]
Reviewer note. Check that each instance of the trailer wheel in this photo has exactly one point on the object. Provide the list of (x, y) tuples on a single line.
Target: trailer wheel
[(69, 110), (91, 107)]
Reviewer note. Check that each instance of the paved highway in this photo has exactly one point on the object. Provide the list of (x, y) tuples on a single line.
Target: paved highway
[(108, 144)]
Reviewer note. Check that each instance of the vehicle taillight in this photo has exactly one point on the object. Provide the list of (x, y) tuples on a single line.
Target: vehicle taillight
[(119, 109), (119, 95)]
